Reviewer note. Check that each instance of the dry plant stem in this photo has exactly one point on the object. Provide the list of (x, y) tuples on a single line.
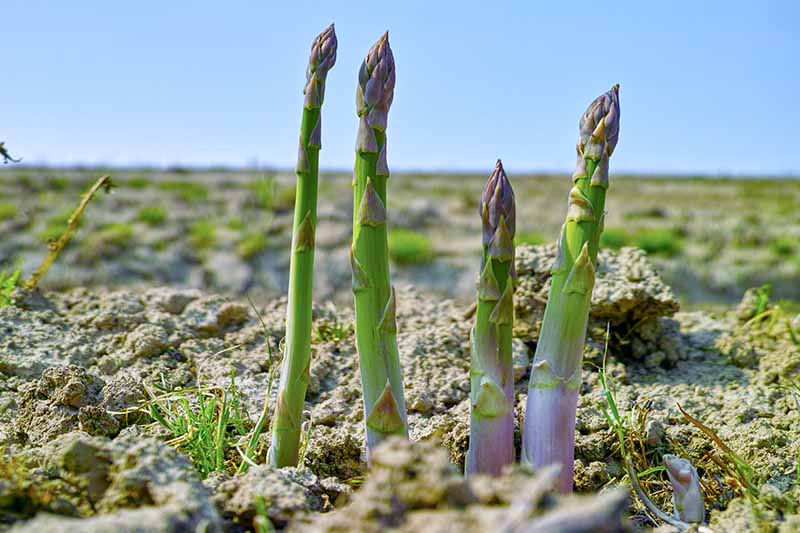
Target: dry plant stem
[(72, 225), (286, 428), (549, 429), (376, 328), (491, 440)]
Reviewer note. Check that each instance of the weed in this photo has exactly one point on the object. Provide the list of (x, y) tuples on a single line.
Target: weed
[(251, 244), (263, 193), (531, 238), (236, 224), (665, 242), (152, 216), (614, 238), (73, 222), (783, 247), (203, 234), (188, 191), (334, 331), (408, 247), (262, 423), (8, 211), (137, 183), (205, 423), (261, 522), (731, 463), (107, 241), (8, 282)]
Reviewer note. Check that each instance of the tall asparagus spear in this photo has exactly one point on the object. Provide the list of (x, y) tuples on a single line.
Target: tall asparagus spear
[(376, 330), (287, 421), (491, 436), (548, 434)]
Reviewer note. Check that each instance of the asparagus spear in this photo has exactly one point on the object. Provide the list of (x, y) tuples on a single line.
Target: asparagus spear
[(548, 434), (491, 438), (376, 329), (287, 422)]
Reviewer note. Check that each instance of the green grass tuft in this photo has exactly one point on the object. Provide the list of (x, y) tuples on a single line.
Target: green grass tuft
[(8, 282), (203, 234), (408, 247), (251, 244), (137, 182), (188, 191), (530, 238), (614, 238), (152, 216), (107, 241), (665, 242), (8, 211)]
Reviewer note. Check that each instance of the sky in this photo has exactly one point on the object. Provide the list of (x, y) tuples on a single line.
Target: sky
[(706, 87)]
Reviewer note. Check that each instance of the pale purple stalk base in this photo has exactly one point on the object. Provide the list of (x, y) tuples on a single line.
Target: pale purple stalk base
[(491, 441), (550, 431)]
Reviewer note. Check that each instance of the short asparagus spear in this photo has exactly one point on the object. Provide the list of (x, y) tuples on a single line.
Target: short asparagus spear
[(548, 434), (376, 330), (287, 421), (491, 436), (687, 496)]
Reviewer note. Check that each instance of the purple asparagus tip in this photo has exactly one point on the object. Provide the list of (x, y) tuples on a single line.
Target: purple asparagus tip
[(497, 201), (376, 80), (320, 61)]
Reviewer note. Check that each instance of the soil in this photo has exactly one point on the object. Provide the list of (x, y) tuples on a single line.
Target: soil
[(78, 456)]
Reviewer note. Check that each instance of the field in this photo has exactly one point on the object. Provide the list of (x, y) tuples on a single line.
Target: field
[(132, 384), (229, 231)]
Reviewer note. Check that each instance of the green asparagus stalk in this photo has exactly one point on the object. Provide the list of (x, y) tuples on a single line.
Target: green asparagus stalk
[(376, 329), (548, 435), (491, 439), (287, 421)]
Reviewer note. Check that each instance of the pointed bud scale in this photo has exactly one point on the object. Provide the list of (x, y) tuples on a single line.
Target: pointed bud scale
[(382, 167), (580, 208), (501, 246), (385, 414), (581, 277), (371, 211), (302, 158), (366, 143), (560, 262), (497, 201), (503, 312), (488, 288), (360, 278), (320, 61), (304, 239), (388, 323), (286, 422), (580, 168), (315, 139), (491, 401), (600, 175)]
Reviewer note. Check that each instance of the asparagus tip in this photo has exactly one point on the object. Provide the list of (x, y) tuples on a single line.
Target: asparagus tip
[(616, 88), (497, 202)]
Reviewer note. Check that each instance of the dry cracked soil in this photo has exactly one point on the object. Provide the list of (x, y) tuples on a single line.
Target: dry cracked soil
[(83, 451)]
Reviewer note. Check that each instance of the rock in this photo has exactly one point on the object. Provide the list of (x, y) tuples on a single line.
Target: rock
[(628, 294), (133, 485), (51, 406), (288, 493), (171, 300), (146, 340), (413, 487)]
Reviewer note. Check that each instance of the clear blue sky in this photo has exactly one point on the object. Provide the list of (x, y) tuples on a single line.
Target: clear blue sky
[(705, 86)]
